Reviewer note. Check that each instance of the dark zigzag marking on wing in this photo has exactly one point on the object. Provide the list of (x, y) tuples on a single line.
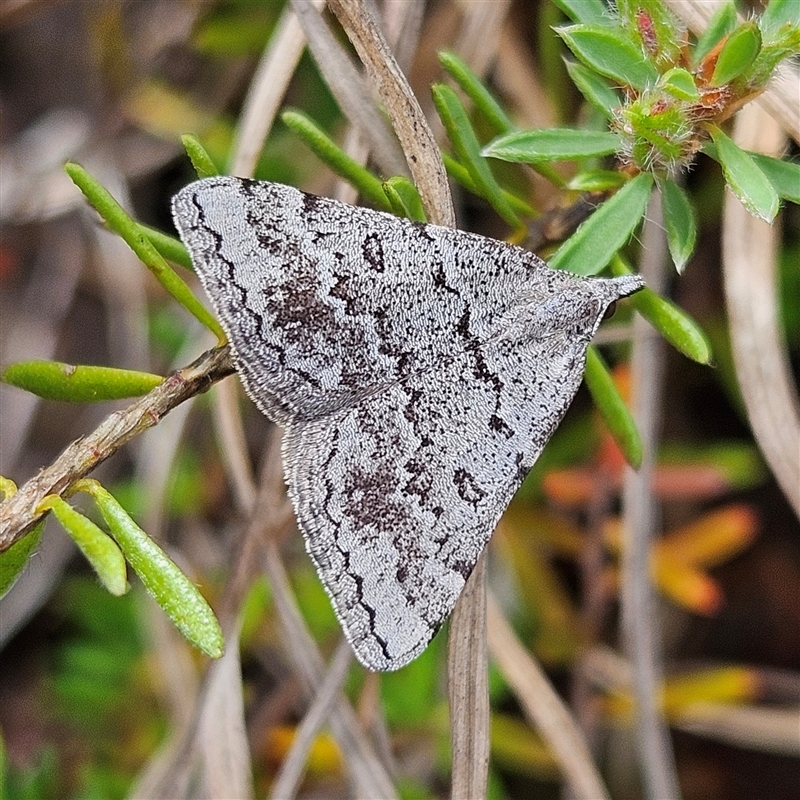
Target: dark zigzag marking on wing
[(243, 308)]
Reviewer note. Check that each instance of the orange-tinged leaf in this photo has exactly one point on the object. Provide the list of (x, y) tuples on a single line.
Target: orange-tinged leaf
[(712, 539), (611, 459), (709, 62), (612, 534), (609, 581), (577, 486), (548, 610), (570, 487), (689, 482), (687, 586), (677, 559), (622, 379)]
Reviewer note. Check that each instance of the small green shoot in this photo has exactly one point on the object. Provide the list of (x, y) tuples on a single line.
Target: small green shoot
[(612, 407), (404, 198), (120, 223), (13, 560), (680, 222), (485, 102), (596, 241), (456, 122), (53, 380), (201, 160), (336, 159), (98, 548), (745, 178), (674, 324), (162, 578)]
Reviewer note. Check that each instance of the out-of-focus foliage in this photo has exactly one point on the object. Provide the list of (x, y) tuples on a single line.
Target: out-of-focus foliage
[(665, 103)]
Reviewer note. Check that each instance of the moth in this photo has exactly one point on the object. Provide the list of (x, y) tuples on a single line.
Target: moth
[(418, 371)]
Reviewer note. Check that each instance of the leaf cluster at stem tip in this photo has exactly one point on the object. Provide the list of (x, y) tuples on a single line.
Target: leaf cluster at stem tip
[(665, 98), (108, 554)]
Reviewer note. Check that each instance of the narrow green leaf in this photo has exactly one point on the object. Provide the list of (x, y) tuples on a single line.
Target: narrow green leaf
[(201, 160), (777, 15), (680, 83), (98, 548), (592, 12), (336, 159), (596, 180), (721, 24), (680, 222), (13, 560), (78, 384), (612, 407), (5, 788), (783, 175), (404, 198), (738, 462), (592, 246), (459, 131), (737, 54), (172, 249), (460, 174), (745, 178), (162, 578), (485, 102), (515, 747), (771, 55), (674, 324), (677, 327), (552, 144), (594, 88), (234, 32), (118, 221), (611, 53)]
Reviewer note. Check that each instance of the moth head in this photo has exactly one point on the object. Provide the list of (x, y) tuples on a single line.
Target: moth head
[(607, 291), (578, 305)]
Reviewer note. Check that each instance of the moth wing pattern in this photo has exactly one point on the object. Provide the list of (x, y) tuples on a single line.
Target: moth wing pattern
[(418, 371), (398, 495), (325, 302)]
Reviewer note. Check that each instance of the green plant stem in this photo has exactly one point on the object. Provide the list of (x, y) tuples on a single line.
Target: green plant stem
[(120, 223)]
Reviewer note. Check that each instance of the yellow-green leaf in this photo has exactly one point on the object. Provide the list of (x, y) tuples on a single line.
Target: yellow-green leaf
[(78, 384), (98, 548), (745, 178), (13, 560), (159, 574)]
